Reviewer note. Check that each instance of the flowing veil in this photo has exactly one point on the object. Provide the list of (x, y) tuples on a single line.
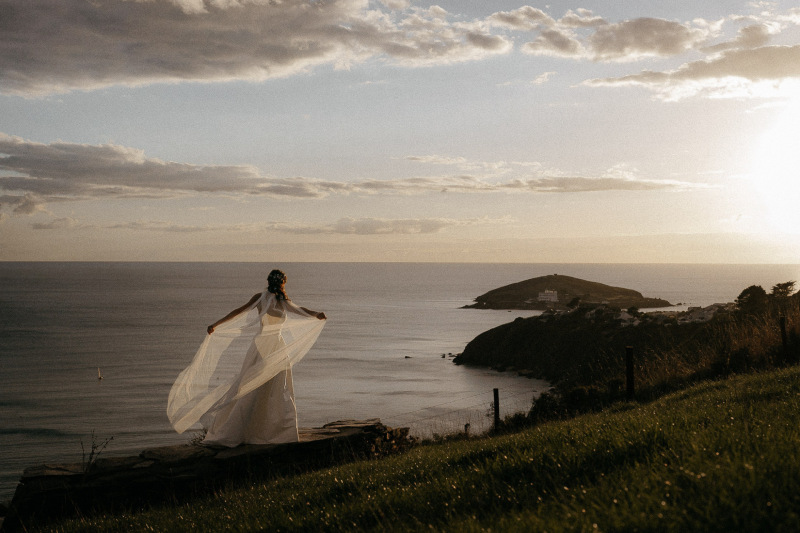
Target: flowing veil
[(216, 377)]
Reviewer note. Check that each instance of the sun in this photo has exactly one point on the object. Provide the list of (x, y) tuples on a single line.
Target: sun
[(776, 171)]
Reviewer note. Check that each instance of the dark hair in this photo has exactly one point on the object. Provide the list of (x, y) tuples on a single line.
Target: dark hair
[(275, 280)]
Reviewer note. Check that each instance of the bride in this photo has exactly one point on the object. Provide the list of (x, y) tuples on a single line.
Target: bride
[(239, 383)]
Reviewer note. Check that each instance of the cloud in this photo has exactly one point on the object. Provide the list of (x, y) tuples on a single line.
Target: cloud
[(27, 204), (58, 223), (557, 43), (86, 170), (343, 226), (581, 18), (51, 46), (524, 18), (643, 37), (542, 78), (581, 184), (752, 36), (41, 173), (158, 225), (377, 226), (395, 4), (729, 73), (437, 159), (582, 35)]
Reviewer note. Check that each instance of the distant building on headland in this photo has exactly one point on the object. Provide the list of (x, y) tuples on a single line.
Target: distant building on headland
[(548, 296)]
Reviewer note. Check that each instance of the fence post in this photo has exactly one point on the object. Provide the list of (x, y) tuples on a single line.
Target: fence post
[(496, 409), (783, 332), (629, 386)]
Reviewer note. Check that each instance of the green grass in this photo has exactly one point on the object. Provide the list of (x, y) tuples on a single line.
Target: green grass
[(720, 456)]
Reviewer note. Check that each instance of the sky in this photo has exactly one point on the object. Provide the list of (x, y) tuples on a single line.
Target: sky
[(399, 130)]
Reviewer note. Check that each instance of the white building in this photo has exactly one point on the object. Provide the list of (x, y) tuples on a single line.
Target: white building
[(548, 296)]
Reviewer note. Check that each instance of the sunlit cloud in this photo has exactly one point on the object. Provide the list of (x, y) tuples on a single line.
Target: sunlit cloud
[(581, 18), (743, 72), (581, 34), (98, 44), (542, 78), (556, 43), (121, 42), (524, 18), (61, 171), (644, 37)]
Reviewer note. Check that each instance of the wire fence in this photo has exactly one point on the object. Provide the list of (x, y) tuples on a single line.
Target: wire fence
[(473, 412)]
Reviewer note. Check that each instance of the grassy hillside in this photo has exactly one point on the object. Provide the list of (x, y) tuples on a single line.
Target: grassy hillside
[(582, 352), (720, 456)]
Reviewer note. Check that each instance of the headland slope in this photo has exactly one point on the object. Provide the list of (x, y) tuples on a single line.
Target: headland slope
[(560, 292)]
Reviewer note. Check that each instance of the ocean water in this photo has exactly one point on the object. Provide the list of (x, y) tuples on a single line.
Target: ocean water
[(379, 356)]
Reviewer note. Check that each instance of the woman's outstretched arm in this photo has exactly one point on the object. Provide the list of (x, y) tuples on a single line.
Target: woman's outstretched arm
[(321, 316), (233, 313)]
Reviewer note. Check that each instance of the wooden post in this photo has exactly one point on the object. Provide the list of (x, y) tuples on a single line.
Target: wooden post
[(629, 372), (783, 332), (496, 409)]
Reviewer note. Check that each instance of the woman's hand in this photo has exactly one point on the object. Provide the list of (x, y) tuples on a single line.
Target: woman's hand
[(321, 316), (210, 330)]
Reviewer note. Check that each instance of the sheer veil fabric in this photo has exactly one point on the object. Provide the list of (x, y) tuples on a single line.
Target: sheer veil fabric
[(239, 383)]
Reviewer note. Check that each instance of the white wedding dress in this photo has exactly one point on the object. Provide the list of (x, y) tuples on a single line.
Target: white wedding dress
[(239, 383)]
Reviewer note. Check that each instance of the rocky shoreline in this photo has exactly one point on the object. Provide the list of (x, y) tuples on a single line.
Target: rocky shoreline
[(54, 491)]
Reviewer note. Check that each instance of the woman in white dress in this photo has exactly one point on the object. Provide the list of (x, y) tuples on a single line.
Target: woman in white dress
[(254, 405)]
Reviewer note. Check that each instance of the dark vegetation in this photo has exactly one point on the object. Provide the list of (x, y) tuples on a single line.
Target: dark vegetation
[(582, 351)]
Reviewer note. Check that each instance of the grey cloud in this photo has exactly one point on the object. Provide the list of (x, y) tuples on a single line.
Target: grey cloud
[(58, 223), (643, 37), (28, 205), (377, 226), (61, 171), (79, 169), (487, 42), (343, 226), (581, 34), (156, 225), (752, 36), (768, 63), (58, 45)]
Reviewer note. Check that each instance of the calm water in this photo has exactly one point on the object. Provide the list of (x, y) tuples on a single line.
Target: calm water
[(380, 354)]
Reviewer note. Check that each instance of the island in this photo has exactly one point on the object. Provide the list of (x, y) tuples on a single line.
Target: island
[(562, 292)]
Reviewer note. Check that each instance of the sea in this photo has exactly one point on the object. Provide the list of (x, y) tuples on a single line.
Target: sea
[(386, 351)]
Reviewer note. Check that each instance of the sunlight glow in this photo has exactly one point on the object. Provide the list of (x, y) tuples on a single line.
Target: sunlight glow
[(776, 170)]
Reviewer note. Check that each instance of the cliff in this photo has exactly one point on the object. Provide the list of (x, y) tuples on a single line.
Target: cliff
[(585, 345), (556, 292)]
